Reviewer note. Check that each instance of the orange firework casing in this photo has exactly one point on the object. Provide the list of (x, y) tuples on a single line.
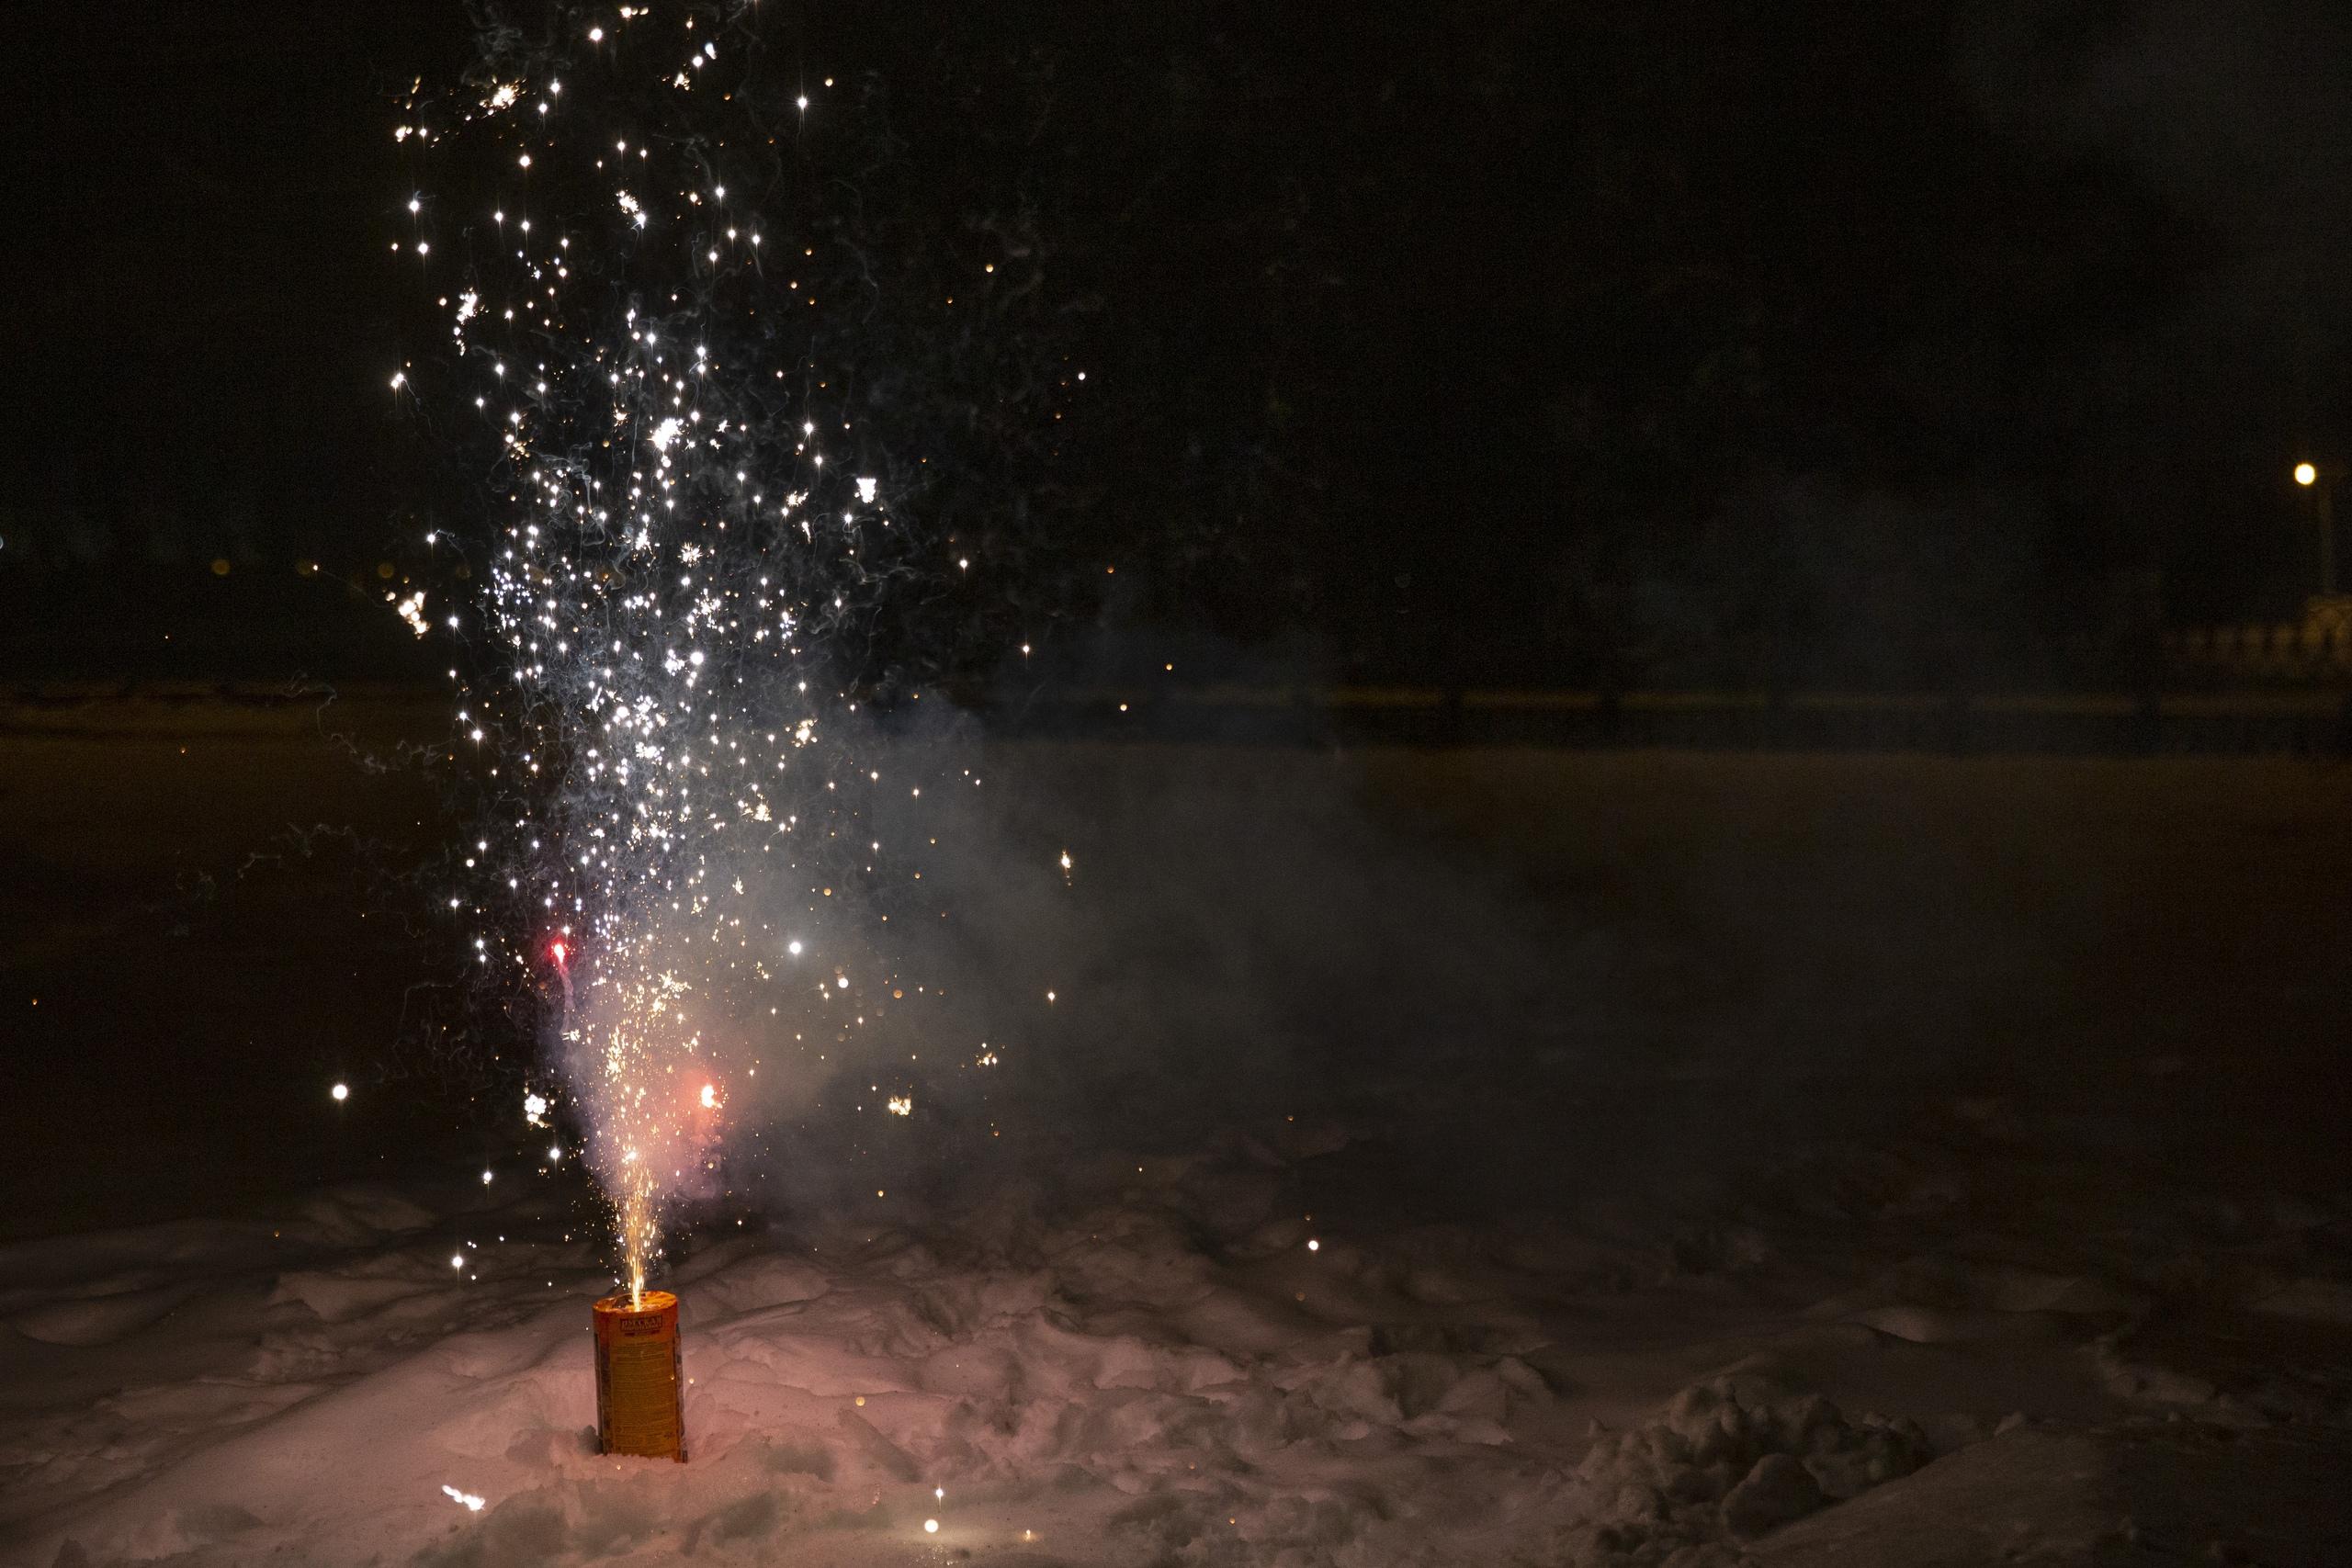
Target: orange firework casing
[(639, 1392)]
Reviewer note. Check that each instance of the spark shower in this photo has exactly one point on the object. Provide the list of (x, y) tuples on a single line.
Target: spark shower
[(683, 844)]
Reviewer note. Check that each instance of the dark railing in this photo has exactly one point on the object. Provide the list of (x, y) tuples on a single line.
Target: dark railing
[(2305, 721), (2311, 723)]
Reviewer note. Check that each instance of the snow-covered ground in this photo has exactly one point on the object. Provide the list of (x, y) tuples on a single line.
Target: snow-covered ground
[(1484, 1159), (1170, 1359)]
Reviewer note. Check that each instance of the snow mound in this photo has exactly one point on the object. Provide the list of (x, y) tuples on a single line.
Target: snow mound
[(1732, 1458)]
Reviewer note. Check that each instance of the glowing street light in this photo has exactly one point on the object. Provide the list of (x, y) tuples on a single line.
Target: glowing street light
[(2320, 479)]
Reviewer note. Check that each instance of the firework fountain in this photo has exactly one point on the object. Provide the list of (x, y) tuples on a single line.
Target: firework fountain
[(683, 841)]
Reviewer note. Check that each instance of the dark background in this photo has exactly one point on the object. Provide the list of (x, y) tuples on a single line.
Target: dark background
[(1935, 348), (1920, 343)]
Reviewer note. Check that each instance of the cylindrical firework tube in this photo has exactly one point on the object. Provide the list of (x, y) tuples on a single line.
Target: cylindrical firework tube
[(639, 1392)]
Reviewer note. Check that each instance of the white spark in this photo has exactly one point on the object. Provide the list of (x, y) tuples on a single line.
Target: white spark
[(652, 613)]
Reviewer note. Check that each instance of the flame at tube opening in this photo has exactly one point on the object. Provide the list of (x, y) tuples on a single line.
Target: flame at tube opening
[(633, 1052)]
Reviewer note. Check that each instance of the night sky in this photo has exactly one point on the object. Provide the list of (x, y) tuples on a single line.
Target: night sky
[(1902, 342)]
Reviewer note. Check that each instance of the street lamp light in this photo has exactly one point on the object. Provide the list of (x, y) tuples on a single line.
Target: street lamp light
[(2320, 479)]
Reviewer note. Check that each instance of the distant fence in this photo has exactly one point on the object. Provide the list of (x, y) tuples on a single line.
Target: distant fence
[(2303, 723), (2317, 647), (2298, 722)]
